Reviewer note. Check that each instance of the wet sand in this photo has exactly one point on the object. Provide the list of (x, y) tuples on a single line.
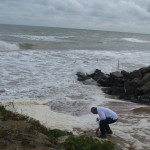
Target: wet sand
[(132, 130)]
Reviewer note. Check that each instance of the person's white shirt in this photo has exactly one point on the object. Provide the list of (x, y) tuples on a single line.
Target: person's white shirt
[(106, 113)]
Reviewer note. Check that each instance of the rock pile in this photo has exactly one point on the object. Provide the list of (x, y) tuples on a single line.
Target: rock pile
[(134, 86)]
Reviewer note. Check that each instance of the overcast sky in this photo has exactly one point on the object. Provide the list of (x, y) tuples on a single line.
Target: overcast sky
[(114, 15)]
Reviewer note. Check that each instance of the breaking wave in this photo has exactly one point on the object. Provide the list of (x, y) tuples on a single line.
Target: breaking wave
[(5, 46), (134, 40), (42, 38)]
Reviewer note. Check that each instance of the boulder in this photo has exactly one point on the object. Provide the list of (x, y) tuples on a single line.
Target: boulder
[(134, 86), (145, 70), (116, 90), (107, 90), (116, 74), (98, 75), (144, 98), (146, 88), (125, 74), (105, 83), (116, 79), (81, 76), (135, 74), (145, 79)]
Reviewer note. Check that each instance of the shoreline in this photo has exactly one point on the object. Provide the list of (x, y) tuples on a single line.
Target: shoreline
[(22, 132), (126, 132)]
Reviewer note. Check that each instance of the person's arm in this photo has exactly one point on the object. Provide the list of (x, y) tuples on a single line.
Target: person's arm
[(97, 131)]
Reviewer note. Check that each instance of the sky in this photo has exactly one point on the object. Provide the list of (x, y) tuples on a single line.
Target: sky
[(108, 15)]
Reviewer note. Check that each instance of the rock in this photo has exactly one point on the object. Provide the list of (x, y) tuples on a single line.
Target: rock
[(144, 98), (145, 79), (125, 74), (107, 90), (105, 83), (132, 86), (116, 79), (136, 74), (146, 88), (82, 76), (116, 90), (116, 74), (145, 70), (98, 75)]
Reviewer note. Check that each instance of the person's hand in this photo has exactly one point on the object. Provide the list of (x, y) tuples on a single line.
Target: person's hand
[(97, 130), (97, 119)]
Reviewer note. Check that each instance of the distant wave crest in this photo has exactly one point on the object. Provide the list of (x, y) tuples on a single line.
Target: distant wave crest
[(5, 46), (134, 40), (42, 38)]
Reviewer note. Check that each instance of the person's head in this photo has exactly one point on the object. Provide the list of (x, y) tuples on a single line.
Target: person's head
[(94, 110)]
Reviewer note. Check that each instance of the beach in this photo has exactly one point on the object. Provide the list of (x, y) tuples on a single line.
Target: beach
[(38, 74)]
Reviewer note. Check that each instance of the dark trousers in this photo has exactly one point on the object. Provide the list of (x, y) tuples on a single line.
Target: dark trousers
[(104, 125)]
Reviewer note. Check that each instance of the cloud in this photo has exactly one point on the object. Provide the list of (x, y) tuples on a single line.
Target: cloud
[(93, 14)]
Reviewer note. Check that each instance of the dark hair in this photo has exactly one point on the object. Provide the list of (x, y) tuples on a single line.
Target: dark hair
[(93, 109)]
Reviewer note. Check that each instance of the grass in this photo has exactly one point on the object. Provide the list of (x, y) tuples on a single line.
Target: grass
[(28, 133), (87, 143)]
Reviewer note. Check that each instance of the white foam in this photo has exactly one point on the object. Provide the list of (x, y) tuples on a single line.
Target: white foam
[(42, 38), (134, 40), (49, 77), (49, 118), (5, 46)]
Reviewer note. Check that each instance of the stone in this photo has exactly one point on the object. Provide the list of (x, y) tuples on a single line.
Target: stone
[(145, 98), (146, 78), (105, 83), (125, 74), (145, 70), (116, 74), (98, 75), (116, 90), (136, 74), (146, 88)]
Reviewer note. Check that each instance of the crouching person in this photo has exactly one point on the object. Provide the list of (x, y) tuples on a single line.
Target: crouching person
[(106, 117)]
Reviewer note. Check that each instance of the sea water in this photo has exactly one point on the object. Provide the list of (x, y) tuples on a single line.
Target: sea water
[(38, 74)]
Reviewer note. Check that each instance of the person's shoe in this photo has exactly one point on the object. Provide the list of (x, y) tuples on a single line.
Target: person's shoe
[(102, 136), (109, 132)]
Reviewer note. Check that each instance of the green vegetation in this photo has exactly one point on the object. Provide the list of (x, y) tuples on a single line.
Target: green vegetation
[(26, 132), (87, 143), (21, 132)]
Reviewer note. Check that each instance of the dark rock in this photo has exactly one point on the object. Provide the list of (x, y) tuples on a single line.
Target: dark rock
[(82, 76), (105, 83), (136, 74), (98, 75), (145, 70), (107, 90), (144, 98), (132, 86), (146, 88), (116, 74), (116, 90), (125, 74), (145, 79)]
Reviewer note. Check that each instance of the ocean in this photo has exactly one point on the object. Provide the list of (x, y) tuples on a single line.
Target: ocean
[(38, 74)]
